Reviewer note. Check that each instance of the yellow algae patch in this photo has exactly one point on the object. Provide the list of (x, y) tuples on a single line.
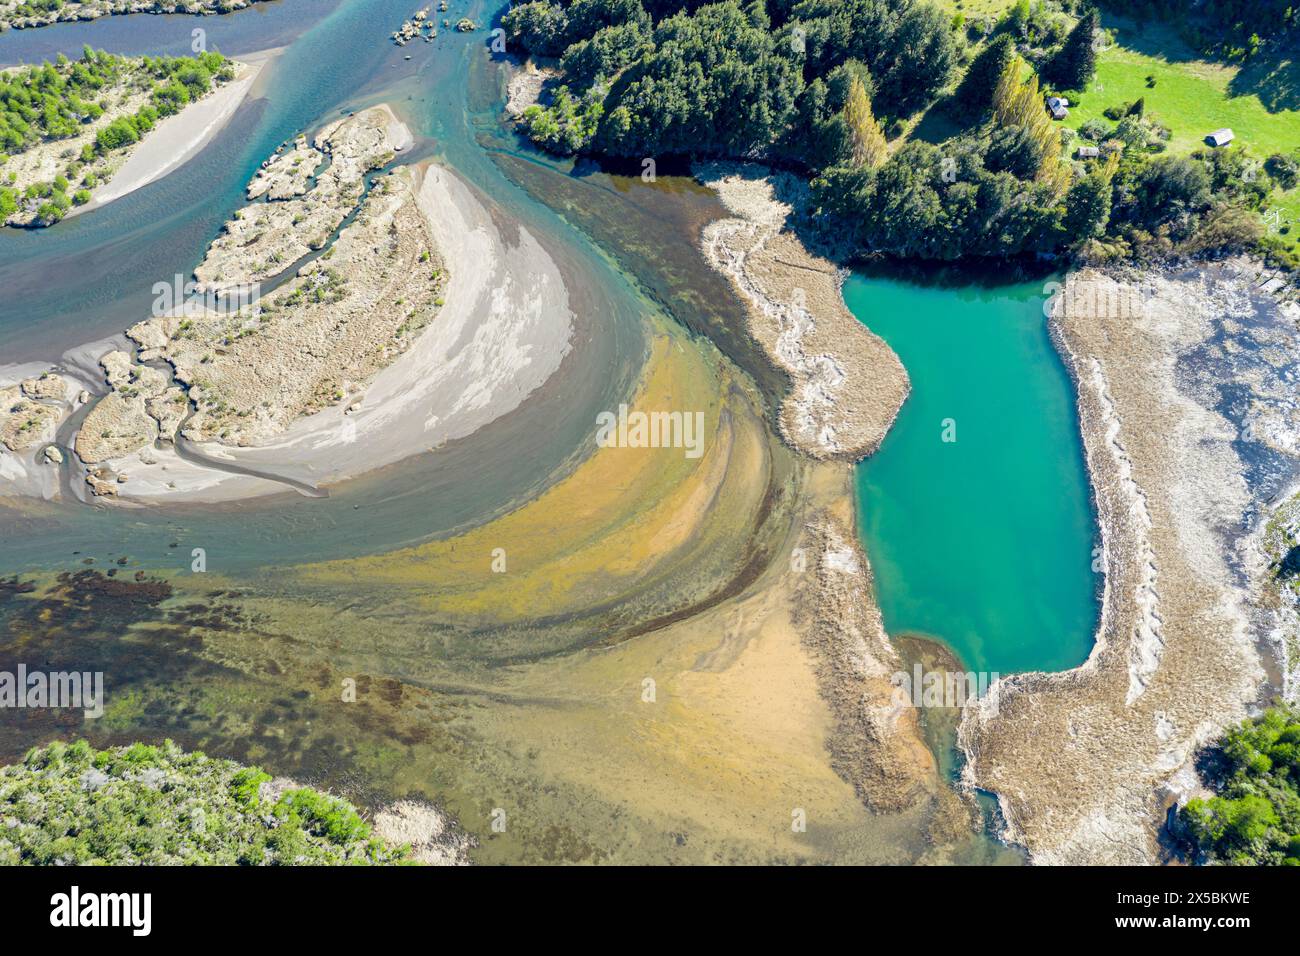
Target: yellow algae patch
[(712, 728), (624, 517)]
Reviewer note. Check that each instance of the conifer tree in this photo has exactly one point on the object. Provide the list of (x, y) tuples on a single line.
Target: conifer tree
[(1075, 64), (975, 95)]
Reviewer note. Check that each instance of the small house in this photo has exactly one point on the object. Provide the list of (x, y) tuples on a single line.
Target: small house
[(1088, 152), (1220, 137), (1059, 107)]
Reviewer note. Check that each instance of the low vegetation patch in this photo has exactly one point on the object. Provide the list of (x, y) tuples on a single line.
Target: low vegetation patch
[(74, 805), (61, 122)]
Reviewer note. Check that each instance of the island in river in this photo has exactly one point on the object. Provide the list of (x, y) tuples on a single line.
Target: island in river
[(313, 379)]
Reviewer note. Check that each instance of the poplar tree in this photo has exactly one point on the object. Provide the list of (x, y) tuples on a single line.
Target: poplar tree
[(866, 139), (1019, 103)]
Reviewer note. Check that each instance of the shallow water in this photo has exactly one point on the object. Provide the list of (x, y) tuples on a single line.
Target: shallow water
[(976, 511)]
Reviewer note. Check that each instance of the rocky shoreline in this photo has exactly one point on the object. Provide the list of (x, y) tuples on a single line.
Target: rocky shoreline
[(1083, 762), (527, 86), (847, 385), (300, 208)]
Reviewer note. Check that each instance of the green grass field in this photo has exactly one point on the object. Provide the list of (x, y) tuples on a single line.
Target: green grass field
[(974, 8), (1191, 97)]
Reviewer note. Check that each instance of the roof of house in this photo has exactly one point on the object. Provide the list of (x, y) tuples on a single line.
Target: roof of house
[(1221, 136)]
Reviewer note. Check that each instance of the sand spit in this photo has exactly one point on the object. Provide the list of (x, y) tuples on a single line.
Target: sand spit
[(1084, 761), (503, 331), (846, 389), (180, 137), (875, 746), (425, 320), (847, 385)]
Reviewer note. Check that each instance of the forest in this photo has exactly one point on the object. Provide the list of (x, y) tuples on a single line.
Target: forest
[(1255, 817), (923, 136)]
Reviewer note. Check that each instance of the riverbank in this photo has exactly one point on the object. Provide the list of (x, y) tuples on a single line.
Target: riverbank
[(179, 138), (846, 384), (1177, 654)]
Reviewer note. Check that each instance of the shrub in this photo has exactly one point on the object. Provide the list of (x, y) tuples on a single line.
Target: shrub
[(1255, 818), (160, 805)]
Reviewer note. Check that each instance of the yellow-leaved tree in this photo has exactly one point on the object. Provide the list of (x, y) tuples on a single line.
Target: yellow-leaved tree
[(866, 138), (1019, 102)]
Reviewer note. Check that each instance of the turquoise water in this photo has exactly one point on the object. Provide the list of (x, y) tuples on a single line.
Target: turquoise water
[(983, 540)]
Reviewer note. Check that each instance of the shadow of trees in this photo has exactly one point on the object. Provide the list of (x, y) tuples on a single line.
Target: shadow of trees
[(1289, 566), (1275, 80)]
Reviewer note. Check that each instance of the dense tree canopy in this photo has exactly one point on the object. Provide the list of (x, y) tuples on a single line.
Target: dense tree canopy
[(1255, 819), (74, 805), (714, 82), (644, 78), (839, 88)]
